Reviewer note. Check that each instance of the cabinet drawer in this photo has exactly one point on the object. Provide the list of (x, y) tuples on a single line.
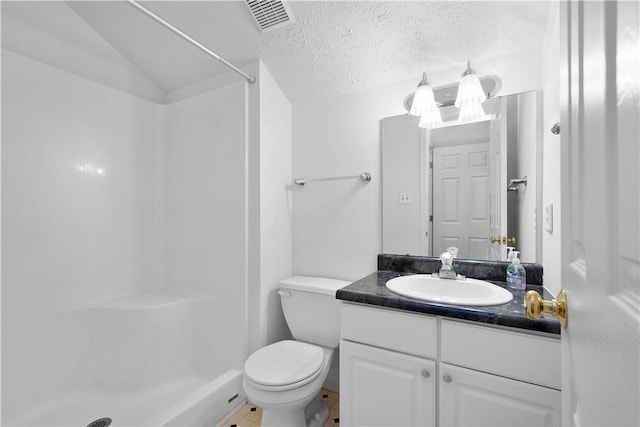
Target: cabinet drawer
[(521, 356), (400, 331)]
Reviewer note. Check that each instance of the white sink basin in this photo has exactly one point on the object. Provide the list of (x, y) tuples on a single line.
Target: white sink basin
[(449, 291)]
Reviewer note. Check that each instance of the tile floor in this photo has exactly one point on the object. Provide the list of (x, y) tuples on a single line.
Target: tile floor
[(250, 416)]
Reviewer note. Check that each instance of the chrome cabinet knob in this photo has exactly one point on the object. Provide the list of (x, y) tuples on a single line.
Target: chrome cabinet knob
[(447, 378), (426, 373)]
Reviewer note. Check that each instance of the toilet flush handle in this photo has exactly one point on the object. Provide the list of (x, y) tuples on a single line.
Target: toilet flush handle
[(284, 294)]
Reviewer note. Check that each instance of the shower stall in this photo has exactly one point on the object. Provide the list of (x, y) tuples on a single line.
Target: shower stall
[(124, 238)]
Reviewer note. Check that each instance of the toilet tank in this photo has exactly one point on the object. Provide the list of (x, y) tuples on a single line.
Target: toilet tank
[(311, 309)]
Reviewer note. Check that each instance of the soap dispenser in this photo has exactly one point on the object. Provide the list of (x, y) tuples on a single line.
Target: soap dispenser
[(516, 274)]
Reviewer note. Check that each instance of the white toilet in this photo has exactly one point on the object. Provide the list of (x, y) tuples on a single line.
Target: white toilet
[(285, 378)]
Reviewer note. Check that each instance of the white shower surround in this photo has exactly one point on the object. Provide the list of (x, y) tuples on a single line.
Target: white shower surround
[(141, 357), (123, 238)]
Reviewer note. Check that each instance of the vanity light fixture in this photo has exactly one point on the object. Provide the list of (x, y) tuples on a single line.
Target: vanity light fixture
[(424, 105), (470, 96)]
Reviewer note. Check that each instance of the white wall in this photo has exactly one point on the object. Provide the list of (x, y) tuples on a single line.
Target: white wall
[(202, 182), (276, 227), (551, 251), (69, 237), (269, 215), (337, 225), (403, 225), (202, 167), (53, 33), (527, 166)]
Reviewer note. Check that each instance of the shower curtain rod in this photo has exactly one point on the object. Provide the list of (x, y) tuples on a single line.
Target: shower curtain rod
[(190, 39)]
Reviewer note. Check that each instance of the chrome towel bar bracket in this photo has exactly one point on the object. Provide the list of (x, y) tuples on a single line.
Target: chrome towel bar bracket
[(514, 183)]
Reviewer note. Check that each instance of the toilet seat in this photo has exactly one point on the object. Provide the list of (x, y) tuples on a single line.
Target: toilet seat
[(284, 365)]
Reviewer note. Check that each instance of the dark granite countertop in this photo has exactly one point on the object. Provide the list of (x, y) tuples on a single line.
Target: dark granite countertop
[(372, 290)]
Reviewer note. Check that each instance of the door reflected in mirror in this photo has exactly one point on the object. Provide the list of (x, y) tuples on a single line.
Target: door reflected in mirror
[(449, 186)]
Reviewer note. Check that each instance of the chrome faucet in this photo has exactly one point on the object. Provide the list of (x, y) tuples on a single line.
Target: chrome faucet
[(447, 271)]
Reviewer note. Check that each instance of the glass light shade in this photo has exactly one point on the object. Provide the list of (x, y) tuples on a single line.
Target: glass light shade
[(470, 97), (471, 110), (424, 105), (430, 118), (421, 100)]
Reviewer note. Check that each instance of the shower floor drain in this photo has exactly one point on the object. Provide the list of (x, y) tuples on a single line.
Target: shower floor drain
[(102, 422)]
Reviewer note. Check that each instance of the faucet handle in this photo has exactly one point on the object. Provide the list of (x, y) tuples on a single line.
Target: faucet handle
[(453, 251), (446, 258), (446, 271)]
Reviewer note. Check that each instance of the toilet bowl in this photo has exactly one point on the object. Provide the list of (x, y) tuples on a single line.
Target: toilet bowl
[(285, 378)]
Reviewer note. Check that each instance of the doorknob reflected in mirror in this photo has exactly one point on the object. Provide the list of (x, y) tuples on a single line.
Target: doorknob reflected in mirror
[(504, 240), (535, 306)]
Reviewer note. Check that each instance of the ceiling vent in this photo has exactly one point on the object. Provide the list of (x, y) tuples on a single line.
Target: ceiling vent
[(270, 14)]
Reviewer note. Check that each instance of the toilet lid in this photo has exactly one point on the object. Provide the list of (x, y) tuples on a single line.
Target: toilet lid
[(284, 363)]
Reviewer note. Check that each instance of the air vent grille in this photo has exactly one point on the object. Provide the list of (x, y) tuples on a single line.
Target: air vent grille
[(102, 422), (270, 14)]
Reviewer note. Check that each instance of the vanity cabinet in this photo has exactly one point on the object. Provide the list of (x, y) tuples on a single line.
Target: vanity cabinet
[(379, 387), (472, 398), (397, 367), (497, 377), (387, 367)]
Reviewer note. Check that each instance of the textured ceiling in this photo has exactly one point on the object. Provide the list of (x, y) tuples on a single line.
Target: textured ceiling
[(332, 48), (338, 47)]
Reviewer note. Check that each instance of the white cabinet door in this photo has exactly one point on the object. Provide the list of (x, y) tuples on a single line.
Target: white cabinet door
[(472, 398), (384, 388)]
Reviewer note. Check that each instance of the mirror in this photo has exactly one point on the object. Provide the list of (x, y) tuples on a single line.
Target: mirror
[(470, 185)]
